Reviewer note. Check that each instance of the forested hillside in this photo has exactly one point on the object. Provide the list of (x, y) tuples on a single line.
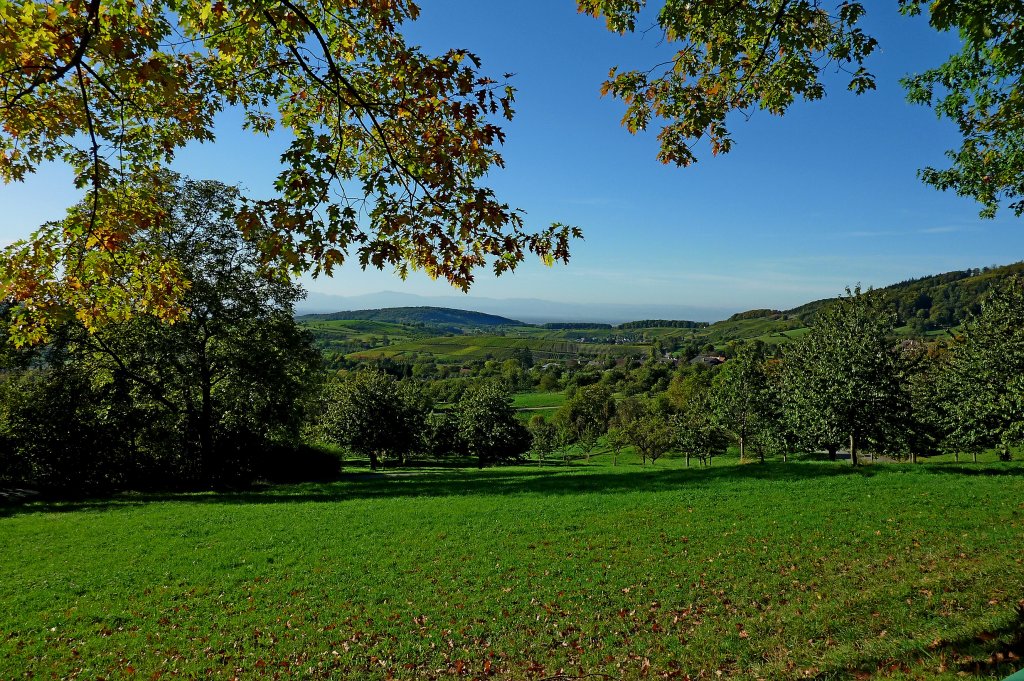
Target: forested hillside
[(932, 302)]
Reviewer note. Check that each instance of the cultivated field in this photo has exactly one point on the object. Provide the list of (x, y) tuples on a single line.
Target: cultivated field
[(777, 571), (463, 348), (340, 334)]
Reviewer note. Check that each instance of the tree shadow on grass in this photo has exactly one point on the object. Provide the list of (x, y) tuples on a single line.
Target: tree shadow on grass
[(1009, 469), (994, 652), (447, 482), (509, 480)]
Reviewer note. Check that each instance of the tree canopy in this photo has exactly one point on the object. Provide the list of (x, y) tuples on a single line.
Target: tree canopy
[(207, 399), (376, 416), (735, 56), (984, 378), (389, 146), (488, 424), (843, 379)]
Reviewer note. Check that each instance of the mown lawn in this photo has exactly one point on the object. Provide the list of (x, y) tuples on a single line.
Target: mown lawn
[(538, 400), (776, 571)]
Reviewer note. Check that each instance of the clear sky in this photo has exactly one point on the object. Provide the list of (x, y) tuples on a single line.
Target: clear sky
[(805, 204)]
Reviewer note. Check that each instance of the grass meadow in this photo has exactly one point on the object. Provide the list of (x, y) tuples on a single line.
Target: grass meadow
[(773, 571), (530, 404)]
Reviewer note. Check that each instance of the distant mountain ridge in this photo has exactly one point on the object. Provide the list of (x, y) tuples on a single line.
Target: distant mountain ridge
[(426, 315), (530, 310)]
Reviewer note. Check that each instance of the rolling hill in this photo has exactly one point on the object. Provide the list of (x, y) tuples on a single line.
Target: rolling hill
[(940, 300), (427, 316), (925, 306)]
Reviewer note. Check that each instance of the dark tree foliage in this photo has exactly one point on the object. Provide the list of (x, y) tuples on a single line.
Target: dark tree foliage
[(585, 416), (756, 314), (207, 399), (442, 438), (229, 377), (696, 428), (984, 380), (647, 427), (746, 401), (843, 378), (664, 324), (489, 427), (928, 425), (575, 325), (937, 301), (377, 416), (544, 436), (58, 435)]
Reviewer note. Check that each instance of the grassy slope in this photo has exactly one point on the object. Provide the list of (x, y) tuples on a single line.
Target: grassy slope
[(538, 400), (778, 571), (361, 330), (531, 404)]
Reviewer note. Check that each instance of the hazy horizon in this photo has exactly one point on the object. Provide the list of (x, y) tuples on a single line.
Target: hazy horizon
[(542, 310)]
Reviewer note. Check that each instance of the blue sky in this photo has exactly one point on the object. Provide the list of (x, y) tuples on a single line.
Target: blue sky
[(805, 205)]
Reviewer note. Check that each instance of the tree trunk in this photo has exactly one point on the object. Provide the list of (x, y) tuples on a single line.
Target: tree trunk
[(206, 446), (373, 461), (975, 453), (853, 451), (913, 456), (741, 449), (710, 459), (832, 449), (785, 456), (212, 470), (956, 456), (687, 459)]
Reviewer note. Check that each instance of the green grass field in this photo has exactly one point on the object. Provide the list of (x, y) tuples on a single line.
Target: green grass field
[(538, 400), (777, 571), (531, 404)]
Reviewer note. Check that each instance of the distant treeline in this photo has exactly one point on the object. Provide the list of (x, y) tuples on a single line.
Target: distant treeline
[(575, 325), (755, 314), (664, 324)]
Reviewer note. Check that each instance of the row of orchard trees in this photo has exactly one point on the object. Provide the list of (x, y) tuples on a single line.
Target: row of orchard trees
[(849, 384), (682, 420), (386, 420)]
